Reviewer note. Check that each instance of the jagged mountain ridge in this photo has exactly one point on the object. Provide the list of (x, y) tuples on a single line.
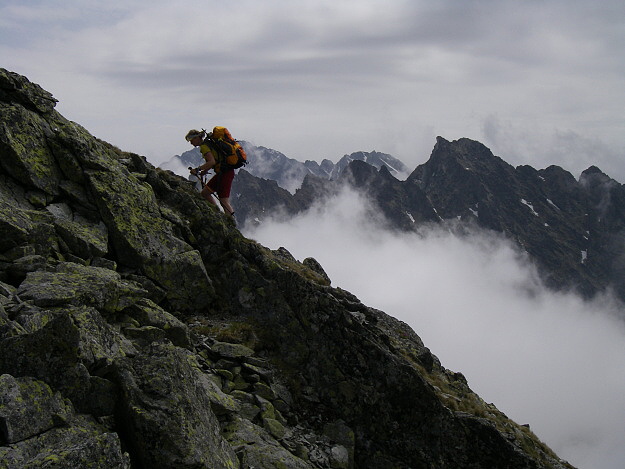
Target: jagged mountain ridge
[(139, 329), (573, 230), (289, 173)]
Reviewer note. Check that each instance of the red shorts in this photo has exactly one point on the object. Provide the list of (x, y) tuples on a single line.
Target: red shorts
[(221, 183)]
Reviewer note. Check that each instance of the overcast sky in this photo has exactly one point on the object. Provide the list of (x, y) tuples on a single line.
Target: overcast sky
[(553, 361), (538, 82)]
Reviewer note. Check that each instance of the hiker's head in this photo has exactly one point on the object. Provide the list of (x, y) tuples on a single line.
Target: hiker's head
[(195, 137)]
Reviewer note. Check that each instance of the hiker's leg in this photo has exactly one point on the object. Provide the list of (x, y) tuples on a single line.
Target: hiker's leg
[(207, 193), (225, 184), (225, 203)]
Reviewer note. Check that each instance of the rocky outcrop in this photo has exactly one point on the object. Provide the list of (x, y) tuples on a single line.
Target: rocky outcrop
[(139, 329)]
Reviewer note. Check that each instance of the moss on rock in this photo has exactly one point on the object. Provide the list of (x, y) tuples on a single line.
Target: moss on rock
[(167, 410), (28, 407), (75, 284), (24, 156)]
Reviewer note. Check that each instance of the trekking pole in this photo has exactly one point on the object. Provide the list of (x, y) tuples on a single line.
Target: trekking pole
[(212, 194), (199, 177)]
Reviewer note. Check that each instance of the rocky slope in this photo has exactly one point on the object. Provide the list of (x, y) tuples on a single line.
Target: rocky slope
[(138, 329)]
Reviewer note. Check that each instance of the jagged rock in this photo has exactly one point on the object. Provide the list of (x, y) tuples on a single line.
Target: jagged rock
[(61, 352), (147, 313), (79, 285), (275, 428), (20, 267), (136, 229), (24, 158), (231, 350), (27, 408), (222, 403), (338, 432), (167, 412), (144, 239), (82, 237), (9, 328), (14, 87), (312, 264), (15, 226), (339, 457), (264, 391), (256, 448), (249, 410), (83, 444)]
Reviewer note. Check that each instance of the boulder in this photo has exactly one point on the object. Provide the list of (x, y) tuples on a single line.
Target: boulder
[(15, 226), (166, 410), (17, 88), (147, 313), (72, 343), (28, 407), (144, 239), (24, 157), (82, 444), (75, 284), (82, 237), (258, 449)]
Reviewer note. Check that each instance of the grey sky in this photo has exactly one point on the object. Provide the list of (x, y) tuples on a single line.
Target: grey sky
[(540, 82), (321, 78)]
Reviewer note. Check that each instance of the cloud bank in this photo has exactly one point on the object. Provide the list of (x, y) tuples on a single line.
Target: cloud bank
[(548, 359), (319, 79)]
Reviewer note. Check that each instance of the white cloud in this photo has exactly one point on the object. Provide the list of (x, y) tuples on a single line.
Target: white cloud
[(317, 78), (551, 360)]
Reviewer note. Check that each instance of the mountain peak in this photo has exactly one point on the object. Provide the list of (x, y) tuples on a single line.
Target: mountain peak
[(463, 149), (592, 170), (458, 161), (593, 175)]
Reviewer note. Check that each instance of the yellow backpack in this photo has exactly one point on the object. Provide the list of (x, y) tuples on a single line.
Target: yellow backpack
[(232, 154)]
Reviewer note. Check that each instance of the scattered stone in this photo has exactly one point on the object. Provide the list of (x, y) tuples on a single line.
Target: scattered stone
[(231, 351)]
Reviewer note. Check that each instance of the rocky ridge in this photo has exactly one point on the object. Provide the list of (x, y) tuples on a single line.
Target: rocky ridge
[(572, 230), (139, 329)]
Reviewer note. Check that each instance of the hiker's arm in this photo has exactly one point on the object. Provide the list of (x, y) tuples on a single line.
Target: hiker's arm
[(209, 163)]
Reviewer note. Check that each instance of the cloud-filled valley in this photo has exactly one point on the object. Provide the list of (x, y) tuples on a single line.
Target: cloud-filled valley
[(551, 360)]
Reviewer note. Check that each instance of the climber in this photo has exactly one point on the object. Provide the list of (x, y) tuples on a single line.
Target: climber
[(221, 182)]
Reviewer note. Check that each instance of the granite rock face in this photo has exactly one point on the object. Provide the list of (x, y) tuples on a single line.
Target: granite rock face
[(138, 328)]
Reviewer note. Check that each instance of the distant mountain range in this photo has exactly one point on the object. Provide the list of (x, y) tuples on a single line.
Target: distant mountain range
[(287, 172), (573, 230)]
